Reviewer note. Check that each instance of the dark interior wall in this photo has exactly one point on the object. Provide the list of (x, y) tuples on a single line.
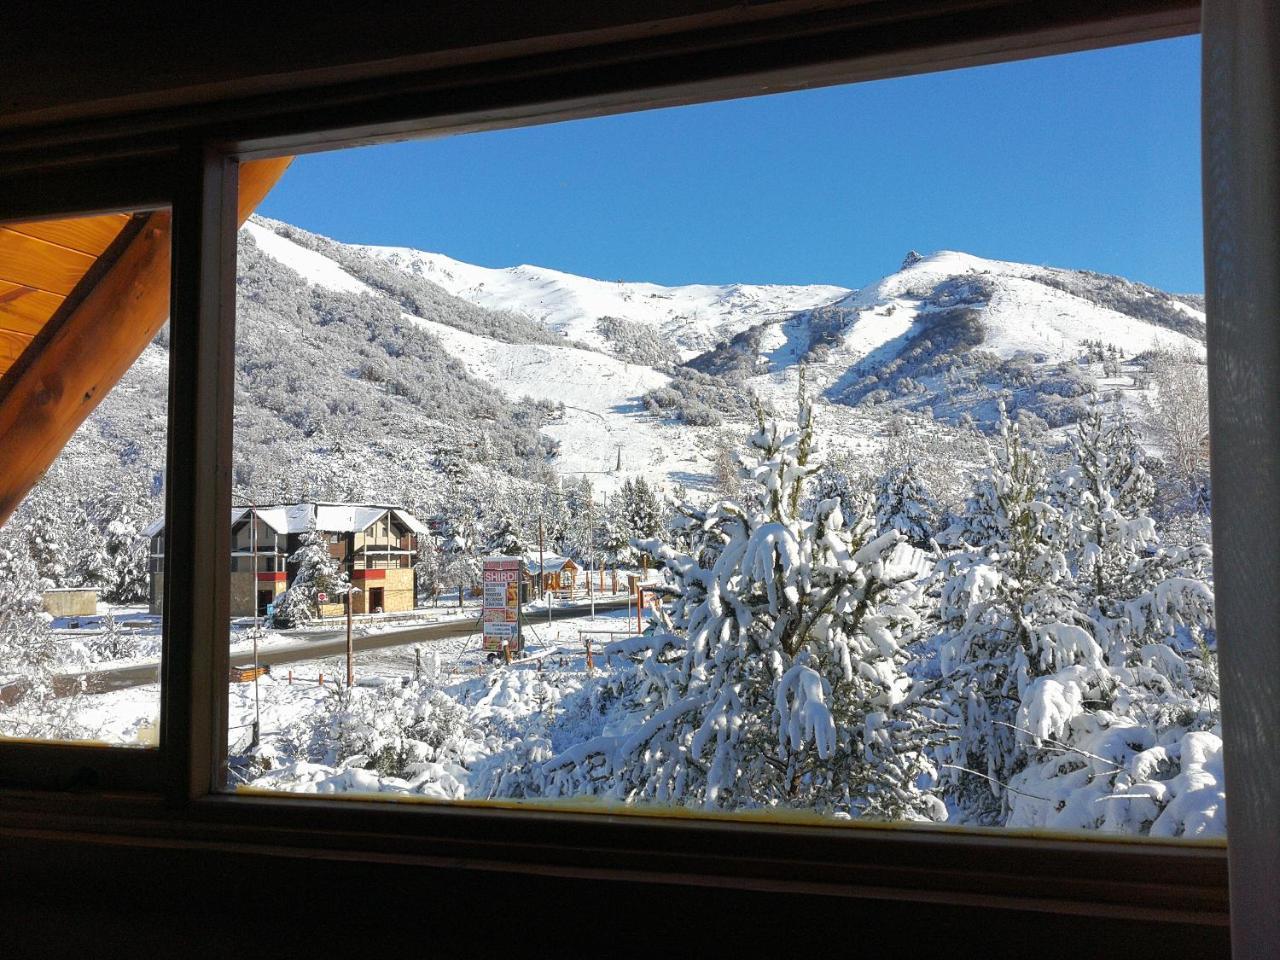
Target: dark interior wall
[(97, 900)]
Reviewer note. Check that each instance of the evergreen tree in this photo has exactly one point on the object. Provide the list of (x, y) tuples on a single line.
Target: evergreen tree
[(611, 533), (1133, 746), (317, 572), (1076, 652), (581, 533), (1007, 618), (427, 572), (43, 533), (124, 556), (777, 679), (505, 537), (904, 503), (462, 563), (86, 550), (29, 656), (1103, 496)]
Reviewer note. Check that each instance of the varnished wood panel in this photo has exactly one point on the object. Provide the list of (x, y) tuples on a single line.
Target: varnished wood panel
[(11, 346), (90, 235), (25, 310), (92, 349), (39, 264)]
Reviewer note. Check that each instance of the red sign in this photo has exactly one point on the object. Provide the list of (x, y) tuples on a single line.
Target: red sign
[(322, 598)]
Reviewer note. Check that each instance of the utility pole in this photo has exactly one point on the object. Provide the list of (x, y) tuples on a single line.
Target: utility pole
[(542, 570), (351, 653)]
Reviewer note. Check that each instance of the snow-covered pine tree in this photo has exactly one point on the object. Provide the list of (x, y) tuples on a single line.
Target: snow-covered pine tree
[(86, 550), (427, 572), (1134, 746), (114, 642), (462, 564), (1007, 617), (43, 534), (581, 527), (904, 503), (611, 534), (641, 510), (505, 536), (124, 552), (778, 679), (1102, 496), (29, 657), (317, 572)]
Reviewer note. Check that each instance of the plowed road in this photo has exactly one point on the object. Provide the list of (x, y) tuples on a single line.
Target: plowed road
[(318, 645)]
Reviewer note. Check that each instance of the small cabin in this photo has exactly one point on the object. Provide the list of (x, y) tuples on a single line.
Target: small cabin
[(555, 573)]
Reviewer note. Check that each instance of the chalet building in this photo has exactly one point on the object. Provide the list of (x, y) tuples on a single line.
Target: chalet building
[(375, 544)]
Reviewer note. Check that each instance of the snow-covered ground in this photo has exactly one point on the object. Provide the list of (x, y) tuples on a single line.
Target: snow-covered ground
[(291, 696)]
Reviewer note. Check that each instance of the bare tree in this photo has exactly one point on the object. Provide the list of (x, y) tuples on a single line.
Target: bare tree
[(1179, 415)]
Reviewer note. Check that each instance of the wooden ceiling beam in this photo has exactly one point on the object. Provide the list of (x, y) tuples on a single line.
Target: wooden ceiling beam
[(95, 343)]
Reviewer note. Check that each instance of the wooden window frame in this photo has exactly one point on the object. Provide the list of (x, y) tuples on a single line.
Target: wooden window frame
[(188, 160)]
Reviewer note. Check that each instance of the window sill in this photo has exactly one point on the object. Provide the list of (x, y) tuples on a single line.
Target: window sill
[(1090, 876)]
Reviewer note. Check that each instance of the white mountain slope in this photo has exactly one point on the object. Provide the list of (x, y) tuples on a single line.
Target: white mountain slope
[(951, 326), (604, 421), (1023, 314), (691, 317)]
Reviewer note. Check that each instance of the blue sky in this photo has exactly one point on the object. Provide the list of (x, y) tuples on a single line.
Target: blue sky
[(1089, 160)]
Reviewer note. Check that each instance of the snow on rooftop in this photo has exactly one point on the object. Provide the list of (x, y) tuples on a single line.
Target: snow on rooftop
[(551, 563), (290, 518)]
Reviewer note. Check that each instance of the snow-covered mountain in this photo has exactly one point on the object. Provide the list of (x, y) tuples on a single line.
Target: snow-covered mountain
[(945, 336), (691, 318)]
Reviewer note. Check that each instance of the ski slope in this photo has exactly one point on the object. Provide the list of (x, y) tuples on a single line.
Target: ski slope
[(1031, 314), (604, 419)]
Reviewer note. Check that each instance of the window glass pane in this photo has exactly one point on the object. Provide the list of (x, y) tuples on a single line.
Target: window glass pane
[(855, 506), (84, 380)]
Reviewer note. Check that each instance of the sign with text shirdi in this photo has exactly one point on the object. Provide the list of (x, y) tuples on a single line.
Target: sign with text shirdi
[(501, 619)]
